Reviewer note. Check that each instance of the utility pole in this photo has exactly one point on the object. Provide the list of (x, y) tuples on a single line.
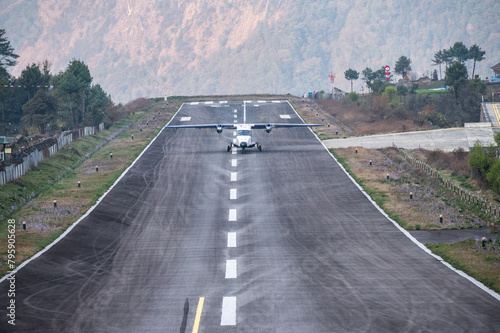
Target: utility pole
[(3, 120)]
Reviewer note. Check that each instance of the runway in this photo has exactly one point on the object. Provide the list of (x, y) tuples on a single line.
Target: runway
[(197, 239)]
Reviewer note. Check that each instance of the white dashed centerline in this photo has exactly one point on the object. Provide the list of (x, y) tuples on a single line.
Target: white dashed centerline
[(233, 194), (228, 311), (232, 215), (234, 176), (231, 269), (231, 239), (234, 162)]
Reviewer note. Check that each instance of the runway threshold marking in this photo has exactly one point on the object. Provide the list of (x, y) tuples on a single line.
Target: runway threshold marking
[(228, 317), (197, 318), (497, 113)]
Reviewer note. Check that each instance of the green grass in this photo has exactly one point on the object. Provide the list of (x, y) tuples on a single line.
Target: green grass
[(481, 263), (429, 91)]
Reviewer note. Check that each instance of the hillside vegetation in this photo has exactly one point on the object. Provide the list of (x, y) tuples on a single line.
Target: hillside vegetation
[(152, 48)]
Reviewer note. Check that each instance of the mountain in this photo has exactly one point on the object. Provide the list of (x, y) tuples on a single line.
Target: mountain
[(151, 48)]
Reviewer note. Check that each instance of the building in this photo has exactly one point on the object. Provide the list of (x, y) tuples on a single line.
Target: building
[(496, 71)]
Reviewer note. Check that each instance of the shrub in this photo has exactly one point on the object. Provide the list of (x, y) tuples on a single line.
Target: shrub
[(493, 176), (429, 113), (353, 96)]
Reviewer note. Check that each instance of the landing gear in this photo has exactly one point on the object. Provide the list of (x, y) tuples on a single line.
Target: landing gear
[(259, 147), (229, 146)]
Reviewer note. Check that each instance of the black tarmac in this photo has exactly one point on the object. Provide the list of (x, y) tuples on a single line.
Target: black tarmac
[(313, 253)]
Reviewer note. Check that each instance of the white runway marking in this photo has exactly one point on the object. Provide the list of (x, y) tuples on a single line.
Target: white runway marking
[(261, 102), (234, 176), (276, 101), (185, 118), (210, 102), (195, 103), (232, 215), (235, 111), (231, 239), (228, 317), (233, 194), (236, 121), (231, 269), (285, 116), (234, 133), (235, 116), (234, 162), (223, 102), (234, 151)]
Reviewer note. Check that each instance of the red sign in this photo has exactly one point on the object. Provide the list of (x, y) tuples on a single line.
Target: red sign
[(332, 77), (387, 69)]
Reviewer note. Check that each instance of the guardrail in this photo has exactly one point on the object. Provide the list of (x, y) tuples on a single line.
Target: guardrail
[(484, 117)]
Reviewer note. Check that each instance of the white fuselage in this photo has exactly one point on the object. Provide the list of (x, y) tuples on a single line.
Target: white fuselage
[(244, 137)]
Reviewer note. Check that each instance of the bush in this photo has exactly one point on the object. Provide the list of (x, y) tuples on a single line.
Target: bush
[(481, 158), (493, 176), (353, 96), (429, 113)]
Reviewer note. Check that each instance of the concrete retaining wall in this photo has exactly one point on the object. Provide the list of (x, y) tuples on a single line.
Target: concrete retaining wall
[(30, 157)]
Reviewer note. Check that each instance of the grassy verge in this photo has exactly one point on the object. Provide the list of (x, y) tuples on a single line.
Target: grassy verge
[(430, 91), (469, 256), (410, 196), (31, 198)]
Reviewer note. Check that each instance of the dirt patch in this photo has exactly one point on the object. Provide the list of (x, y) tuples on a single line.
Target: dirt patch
[(411, 196), (361, 120)]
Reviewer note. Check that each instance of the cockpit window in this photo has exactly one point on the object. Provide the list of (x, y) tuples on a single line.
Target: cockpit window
[(244, 132)]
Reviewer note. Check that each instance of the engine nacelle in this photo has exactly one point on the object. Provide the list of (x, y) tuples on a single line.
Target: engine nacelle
[(269, 127), (219, 129)]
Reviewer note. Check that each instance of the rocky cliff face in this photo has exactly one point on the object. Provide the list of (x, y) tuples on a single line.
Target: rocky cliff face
[(155, 47)]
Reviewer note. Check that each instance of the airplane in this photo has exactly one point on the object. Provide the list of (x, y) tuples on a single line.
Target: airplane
[(244, 132)]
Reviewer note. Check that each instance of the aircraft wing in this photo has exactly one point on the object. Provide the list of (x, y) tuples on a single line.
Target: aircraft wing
[(278, 125), (217, 126)]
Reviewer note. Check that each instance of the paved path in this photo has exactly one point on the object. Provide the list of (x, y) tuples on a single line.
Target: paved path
[(493, 110), (445, 139), (447, 236)]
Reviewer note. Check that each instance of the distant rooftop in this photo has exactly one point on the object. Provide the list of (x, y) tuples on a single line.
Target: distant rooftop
[(4, 140)]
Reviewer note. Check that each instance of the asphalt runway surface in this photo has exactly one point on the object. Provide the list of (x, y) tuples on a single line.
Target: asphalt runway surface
[(282, 240)]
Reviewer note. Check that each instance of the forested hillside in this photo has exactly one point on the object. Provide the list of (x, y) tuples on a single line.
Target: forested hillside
[(154, 47)]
